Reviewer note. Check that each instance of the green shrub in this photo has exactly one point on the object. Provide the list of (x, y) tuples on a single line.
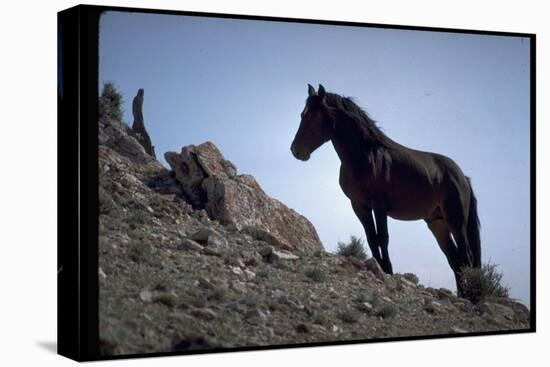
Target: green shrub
[(166, 299), (316, 274), (480, 283), (140, 252), (353, 249), (110, 102), (387, 311), (217, 294), (411, 278), (349, 316)]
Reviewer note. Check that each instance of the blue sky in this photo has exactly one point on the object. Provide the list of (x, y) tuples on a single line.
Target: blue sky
[(242, 85)]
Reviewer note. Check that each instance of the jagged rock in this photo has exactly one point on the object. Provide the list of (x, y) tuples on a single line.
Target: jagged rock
[(216, 241), (211, 182), (282, 255), (375, 268), (263, 235), (203, 234), (498, 312), (443, 293), (272, 255)]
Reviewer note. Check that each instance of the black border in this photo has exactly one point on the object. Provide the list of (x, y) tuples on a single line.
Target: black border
[(78, 291)]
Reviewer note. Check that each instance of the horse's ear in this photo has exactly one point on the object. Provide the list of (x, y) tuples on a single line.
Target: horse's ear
[(321, 91), (310, 90)]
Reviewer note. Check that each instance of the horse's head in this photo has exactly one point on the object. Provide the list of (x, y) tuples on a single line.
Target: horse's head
[(316, 127)]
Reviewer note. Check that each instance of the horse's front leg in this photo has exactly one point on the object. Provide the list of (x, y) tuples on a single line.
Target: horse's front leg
[(383, 239), (364, 214)]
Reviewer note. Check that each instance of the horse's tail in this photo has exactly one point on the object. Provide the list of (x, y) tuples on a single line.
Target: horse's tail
[(473, 229)]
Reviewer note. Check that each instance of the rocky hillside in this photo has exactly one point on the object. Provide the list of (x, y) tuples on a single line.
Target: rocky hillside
[(200, 257)]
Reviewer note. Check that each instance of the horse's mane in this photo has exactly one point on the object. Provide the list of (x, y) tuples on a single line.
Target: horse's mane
[(375, 140), (366, 126)]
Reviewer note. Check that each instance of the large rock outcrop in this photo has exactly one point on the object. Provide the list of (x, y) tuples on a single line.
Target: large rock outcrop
[(211, 182)]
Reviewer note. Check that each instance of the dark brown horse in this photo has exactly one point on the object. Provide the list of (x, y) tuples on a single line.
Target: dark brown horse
[(382, 177)]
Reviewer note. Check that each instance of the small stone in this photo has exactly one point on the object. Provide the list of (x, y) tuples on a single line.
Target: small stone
[(366, 306), (407, 282), (265, 251), (214, 251), (216, 241), (206, 283), (278, 293), (102, 273), (456, 329), (283, 299), (231, 227), (170, 197), (203, 234), (236, 270), (282, 255), (146, 295), (204, 313), (238, 286), (332, 293), (190, 245), (436, 304), (303, 328), (443, 293), (255, 313), (250, 275)]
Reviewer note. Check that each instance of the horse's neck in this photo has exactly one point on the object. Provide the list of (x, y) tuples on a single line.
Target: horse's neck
[(350, 143)]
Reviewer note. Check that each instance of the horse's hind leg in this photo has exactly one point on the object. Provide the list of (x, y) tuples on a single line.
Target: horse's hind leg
[(441, 232), (455, 213), (364, 214)]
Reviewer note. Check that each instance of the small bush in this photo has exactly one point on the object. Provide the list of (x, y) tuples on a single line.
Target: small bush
[(350, 316), (353, 249), (166, 299), (110, 102), (411, 278), (217, 294), (316, 274), (140, 252), (387, 311), (320, 318), (480, 283)]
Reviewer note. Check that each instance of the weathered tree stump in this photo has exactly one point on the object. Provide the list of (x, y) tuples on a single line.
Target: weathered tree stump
[(139, 125)]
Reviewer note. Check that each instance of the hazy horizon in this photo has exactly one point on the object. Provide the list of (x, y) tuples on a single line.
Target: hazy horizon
[(242, 85)]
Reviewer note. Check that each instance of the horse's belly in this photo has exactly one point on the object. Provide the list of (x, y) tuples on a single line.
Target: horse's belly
[(411, 208)]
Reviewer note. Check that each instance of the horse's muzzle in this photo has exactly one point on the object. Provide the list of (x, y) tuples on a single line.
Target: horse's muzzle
[(297, 154)]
